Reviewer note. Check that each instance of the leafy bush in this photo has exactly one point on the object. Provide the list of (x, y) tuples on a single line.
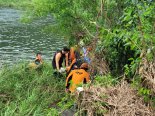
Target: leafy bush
[(143, 91), (106, 80)]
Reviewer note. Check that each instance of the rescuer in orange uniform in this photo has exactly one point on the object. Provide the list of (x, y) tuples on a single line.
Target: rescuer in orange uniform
[(77, 77), (74, 59)]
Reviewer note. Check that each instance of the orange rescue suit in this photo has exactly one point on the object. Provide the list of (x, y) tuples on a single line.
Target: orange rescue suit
[(72, 58), (72, 54), (75, 78)]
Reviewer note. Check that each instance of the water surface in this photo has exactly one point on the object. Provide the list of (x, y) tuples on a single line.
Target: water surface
[(20, 41)]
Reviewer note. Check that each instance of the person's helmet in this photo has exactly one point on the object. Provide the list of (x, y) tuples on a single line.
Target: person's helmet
[(84, 66)]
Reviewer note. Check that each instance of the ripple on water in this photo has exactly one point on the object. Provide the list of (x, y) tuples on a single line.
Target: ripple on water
[(21, 41)]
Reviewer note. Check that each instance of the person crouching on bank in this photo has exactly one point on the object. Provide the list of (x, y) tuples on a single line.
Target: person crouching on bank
[(58, 59), (77, 77)]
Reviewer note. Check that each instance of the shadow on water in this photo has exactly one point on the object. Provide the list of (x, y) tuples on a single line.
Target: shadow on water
[(19, 41)]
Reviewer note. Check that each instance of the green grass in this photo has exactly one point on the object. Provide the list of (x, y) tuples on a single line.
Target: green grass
[(25, 92), (15, 3), (28, 92), (106, 80)]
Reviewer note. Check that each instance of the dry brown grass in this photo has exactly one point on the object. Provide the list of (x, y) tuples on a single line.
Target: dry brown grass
[(121, 100), (147, 71), (98, 63)]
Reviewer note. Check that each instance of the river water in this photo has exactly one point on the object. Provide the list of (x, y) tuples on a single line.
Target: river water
[(20, 42)]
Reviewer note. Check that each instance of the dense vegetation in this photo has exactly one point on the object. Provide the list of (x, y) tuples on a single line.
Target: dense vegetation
[(120, 31)]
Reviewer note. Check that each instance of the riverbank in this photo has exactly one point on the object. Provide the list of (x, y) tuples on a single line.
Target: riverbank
[(31, 92), (27, 92)]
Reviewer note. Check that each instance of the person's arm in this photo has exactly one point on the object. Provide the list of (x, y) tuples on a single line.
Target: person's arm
[(87, 79), (57, 59), (71, 65), (67, 55), (69, 77)]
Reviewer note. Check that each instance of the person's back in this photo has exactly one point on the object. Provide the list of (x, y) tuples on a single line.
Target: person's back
[(62, 56), (75, 78), (75, 60), (72, 54), (59, 57)]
